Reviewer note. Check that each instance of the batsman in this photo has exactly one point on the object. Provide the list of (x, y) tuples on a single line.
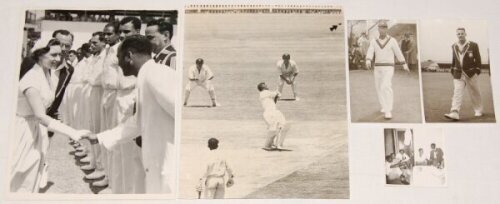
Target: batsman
[(274, 118)]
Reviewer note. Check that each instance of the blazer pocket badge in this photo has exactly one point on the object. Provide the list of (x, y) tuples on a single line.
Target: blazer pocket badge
[(471, 55)]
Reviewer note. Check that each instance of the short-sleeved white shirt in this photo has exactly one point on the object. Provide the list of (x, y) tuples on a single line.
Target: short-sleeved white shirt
[(287, 71), (34, 78), (204, 74)]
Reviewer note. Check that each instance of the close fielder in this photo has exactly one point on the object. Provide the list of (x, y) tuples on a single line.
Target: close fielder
[(274, 118), (200, 75), (288, 71)]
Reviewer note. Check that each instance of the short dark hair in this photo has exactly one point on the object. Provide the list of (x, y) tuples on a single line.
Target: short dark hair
[(72, 51), (286, 56), (388, 157), (199, 61), (162, 26), (115, 25), (44, 50), (62, 32), (213, 143), (85, 48), (138, 44), (99, 34), (261, 86), (135, 22), (461, 28), (433, 144)]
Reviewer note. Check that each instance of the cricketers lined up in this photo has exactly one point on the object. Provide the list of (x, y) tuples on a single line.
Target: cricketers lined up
[(115, 88)]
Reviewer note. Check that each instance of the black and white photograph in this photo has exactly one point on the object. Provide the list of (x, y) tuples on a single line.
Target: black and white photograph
[(430, 156), (456, 78), (96, 103), (384, 77), (264, 103), (399, 157), (415, 157)]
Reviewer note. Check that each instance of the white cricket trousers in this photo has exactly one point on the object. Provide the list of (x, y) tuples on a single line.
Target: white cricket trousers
[(215, 187), (383, 85), (472, 86)]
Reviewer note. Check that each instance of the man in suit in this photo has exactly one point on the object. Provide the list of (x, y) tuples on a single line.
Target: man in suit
[(436, 157), (63, 72), (160, 33), (465, 68)]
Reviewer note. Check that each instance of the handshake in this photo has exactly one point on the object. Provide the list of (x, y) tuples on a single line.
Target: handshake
[(61, 128), (84, 134)]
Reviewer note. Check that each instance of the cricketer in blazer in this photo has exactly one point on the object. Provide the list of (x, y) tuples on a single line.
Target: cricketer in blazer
[(471, 60)]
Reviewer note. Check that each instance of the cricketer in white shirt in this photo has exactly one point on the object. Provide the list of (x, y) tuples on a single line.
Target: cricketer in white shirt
[(383, 50), (154, 118)]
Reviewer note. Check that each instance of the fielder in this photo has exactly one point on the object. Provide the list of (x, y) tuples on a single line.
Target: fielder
[(214, 181), (383, 50), (465, 68), (200, 75), (288, 72), (274, 118)]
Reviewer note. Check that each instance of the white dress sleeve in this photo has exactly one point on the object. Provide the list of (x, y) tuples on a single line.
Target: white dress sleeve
[(30, 80)]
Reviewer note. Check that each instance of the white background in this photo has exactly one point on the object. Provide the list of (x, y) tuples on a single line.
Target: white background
[(473, 155)]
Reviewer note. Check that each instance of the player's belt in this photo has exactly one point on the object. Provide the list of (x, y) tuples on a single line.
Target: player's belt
[(384, 64), (111, 88), (215, 176)]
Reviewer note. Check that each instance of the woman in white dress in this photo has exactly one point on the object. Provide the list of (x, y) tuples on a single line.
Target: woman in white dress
[(35, 94)]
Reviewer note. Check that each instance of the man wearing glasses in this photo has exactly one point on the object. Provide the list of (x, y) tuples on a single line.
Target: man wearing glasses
[(465, 68)]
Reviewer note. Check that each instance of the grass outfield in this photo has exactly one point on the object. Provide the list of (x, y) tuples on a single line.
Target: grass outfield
[(438, 90), (364, 103), (242, 50)]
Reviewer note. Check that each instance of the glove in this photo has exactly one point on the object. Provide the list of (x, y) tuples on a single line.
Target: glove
[(230, 182), (368, 64), (56, 126)]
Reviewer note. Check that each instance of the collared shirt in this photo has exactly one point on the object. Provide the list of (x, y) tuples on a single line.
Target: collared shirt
[(461, 51), (402, 157), (35, 78), (420, 159), (267, 99), (205, 73), (96, 69), (216, 165), (55, 73), (154, 119), (166, 56), (287, 71), (110, 73), (384, 51)]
